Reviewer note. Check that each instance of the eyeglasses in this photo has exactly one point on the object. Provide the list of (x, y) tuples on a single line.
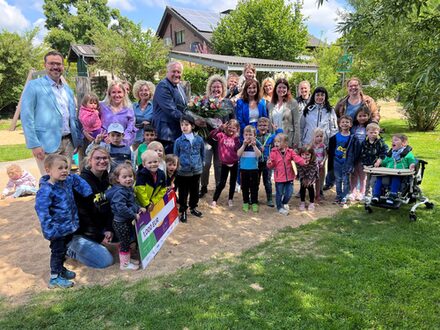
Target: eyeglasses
[(100, 158), (54, 64)]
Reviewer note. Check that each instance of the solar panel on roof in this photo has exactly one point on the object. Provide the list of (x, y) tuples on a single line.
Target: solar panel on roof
[(203, 21)]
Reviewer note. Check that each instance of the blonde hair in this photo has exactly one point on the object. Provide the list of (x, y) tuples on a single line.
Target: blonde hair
[(86, 160), (262, 91), (250, 129), (213, 79), (14, 168), (316, 131), (140, 83), (155, 144), (117, 171), (282, 137), (372, 126), (149, 153), (125, 100)]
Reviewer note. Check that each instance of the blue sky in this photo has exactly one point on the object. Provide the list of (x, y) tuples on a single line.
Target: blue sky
[(22, 15)]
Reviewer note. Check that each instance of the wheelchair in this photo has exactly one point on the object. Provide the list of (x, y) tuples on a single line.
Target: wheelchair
[(410, 191)]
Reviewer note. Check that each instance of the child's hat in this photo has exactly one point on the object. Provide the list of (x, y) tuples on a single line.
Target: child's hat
[(115, 127)]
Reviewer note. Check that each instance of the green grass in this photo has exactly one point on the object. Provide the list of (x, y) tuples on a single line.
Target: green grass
[(5, 124), (13, 152), (353, 271)]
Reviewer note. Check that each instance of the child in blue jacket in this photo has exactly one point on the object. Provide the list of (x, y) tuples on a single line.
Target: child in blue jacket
[(58, 214), (190, 149)]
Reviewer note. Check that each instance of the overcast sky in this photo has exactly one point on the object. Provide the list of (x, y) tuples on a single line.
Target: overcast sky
[(22, 15)]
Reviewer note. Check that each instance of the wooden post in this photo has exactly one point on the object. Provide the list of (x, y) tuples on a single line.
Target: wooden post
[(18, 109)]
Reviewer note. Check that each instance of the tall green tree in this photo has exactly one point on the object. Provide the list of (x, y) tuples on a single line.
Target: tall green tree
[(17, 57), (272, 29), (131, 54)]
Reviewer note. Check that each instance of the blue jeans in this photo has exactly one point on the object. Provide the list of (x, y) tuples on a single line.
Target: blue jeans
[(395, 182), (25, 190), (267, 178), (88, 252), (284, 191), (58, 248), (342, 181)]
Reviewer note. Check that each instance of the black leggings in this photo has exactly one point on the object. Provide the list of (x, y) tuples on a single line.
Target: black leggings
[(302, 193), (188, 185), (224, 172), (123, 230), (249, 182)]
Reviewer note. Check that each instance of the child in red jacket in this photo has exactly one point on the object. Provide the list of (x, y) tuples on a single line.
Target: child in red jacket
[(280, 159)]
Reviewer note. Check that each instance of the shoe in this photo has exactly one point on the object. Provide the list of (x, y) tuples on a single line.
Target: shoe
[(203, 191), (230, 203), (327, 187), (337, 201), (255, 208), (283, 211), (67, 274), (183, 217), (360, 197), (213, 204), (270, 203), (196, 213), (343, 203), (311, 207), (286, 206), (124, 262), (237, 188), (59, 282), (390, 201), (246, 207), (375, 200), (302, 206)]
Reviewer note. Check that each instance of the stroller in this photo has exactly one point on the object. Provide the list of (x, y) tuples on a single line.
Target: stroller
[(410, 191)]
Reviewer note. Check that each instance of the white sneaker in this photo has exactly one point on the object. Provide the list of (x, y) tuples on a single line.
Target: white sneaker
[(283, 211), (286, 206), (128, 266), (230, 203), (311, 207), (213, 204), (302, 206), (237, 188)]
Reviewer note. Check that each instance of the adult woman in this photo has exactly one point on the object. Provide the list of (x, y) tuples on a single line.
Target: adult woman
[(318, 113), (143, 109), (116, 109), (95, 216), (283, 112), (215, 88), (250, 107), (267, 89), (351, 103)]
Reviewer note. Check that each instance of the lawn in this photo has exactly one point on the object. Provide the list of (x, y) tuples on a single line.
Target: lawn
[(13, 152), (353, 271)]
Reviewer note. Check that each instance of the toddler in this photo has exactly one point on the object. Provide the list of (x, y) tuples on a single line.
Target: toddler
[(20, 182), (172, 163), (228, 143), (400, 156), (149, 136), (249, 153), (56, 209), (151, 183), (266, 139), (190, 149), (309, 175), (320, 151), (373, 151), (280, 160), (125, 210), (89, 115), (159, 149)]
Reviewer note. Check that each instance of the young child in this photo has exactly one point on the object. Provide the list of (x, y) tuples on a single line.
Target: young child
[(125, 210), (20, 183), (228, 143), (190, 149), (266, 139), (309, 175), (149, 136), (89, 115), (342, 147), (320, 150), (119, 152), (160, 150), (249, 152), (373, 151), (400, 156), (172, 163), (358, 177), (151, 183), (58, 214), (280, 159)]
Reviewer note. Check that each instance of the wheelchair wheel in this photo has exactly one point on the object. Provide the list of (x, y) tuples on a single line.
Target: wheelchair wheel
[(429, 205), (412, 217)]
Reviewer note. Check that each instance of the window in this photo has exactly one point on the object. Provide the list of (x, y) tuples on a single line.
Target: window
[(180, 37)]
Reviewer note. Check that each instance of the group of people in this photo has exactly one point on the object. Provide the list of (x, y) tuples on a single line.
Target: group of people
[(136, 152)]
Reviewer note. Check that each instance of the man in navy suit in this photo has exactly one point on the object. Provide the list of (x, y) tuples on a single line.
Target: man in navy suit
[(48, 114), (169, 104)]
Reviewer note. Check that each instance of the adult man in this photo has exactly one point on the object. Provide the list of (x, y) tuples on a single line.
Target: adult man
[(169, 104), (304, 95), (48, 114)]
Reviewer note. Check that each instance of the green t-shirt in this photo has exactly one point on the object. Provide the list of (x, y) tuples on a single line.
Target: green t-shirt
[(142, 148)]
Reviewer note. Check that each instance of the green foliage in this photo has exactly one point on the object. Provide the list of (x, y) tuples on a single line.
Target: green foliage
[(397, 43), (269, 29), (17, 57), (12, 152), (130, 53), (198, 76)]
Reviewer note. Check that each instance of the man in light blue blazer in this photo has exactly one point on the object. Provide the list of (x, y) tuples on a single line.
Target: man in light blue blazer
[(48, 114)]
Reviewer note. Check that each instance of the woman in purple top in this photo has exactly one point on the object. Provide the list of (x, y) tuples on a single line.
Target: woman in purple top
[(116, 109)]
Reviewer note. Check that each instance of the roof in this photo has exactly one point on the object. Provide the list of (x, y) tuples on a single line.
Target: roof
[(204, 22), (84, 51), (236, 63)]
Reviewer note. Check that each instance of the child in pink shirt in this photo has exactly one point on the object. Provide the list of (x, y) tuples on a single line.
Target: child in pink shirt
[(89, 115), (20, 182)]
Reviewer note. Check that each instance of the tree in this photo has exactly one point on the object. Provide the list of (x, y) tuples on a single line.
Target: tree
[(130, 53), (17, 57), (268, 29)]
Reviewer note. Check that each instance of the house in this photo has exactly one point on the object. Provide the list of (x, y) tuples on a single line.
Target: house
[(190, 30)]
